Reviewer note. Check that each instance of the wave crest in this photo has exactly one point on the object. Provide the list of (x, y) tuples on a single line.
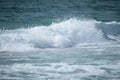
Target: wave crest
[(58, 35)]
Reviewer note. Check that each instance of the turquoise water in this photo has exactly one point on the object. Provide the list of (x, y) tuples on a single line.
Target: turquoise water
[(23, 13), (59, 40)]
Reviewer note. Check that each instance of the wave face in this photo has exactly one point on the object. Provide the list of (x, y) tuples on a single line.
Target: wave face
[(58, 35)]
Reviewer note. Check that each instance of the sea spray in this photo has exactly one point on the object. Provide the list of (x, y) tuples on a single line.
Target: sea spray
[(57, 35)]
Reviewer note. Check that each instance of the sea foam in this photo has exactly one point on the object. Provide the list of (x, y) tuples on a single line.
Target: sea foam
[(57, 35)]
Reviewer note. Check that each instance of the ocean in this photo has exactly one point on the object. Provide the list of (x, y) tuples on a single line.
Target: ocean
[(59, 39)]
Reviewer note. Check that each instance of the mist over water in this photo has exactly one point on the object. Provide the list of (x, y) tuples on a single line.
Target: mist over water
[(59, 40)]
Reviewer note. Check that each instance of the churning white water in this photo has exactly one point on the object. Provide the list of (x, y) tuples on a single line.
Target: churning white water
[(57, 35)]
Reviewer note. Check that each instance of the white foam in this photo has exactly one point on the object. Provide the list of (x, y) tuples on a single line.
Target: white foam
[(64, 70), (58, 67), (58, 35)]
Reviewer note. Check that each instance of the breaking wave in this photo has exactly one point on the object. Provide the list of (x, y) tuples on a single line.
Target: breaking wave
[(59, 35)]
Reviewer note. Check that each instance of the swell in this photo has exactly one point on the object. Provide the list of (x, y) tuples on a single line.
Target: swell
[(59, 35)]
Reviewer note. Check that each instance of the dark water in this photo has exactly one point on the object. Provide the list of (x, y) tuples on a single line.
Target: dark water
[(59, 39), (24, 13)]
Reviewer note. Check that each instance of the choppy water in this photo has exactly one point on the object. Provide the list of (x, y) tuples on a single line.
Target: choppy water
[(80, 63), (24, 13), (59, 40)]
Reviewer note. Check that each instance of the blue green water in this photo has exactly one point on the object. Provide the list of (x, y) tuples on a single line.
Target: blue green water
[(24, 13), (59, 40)]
